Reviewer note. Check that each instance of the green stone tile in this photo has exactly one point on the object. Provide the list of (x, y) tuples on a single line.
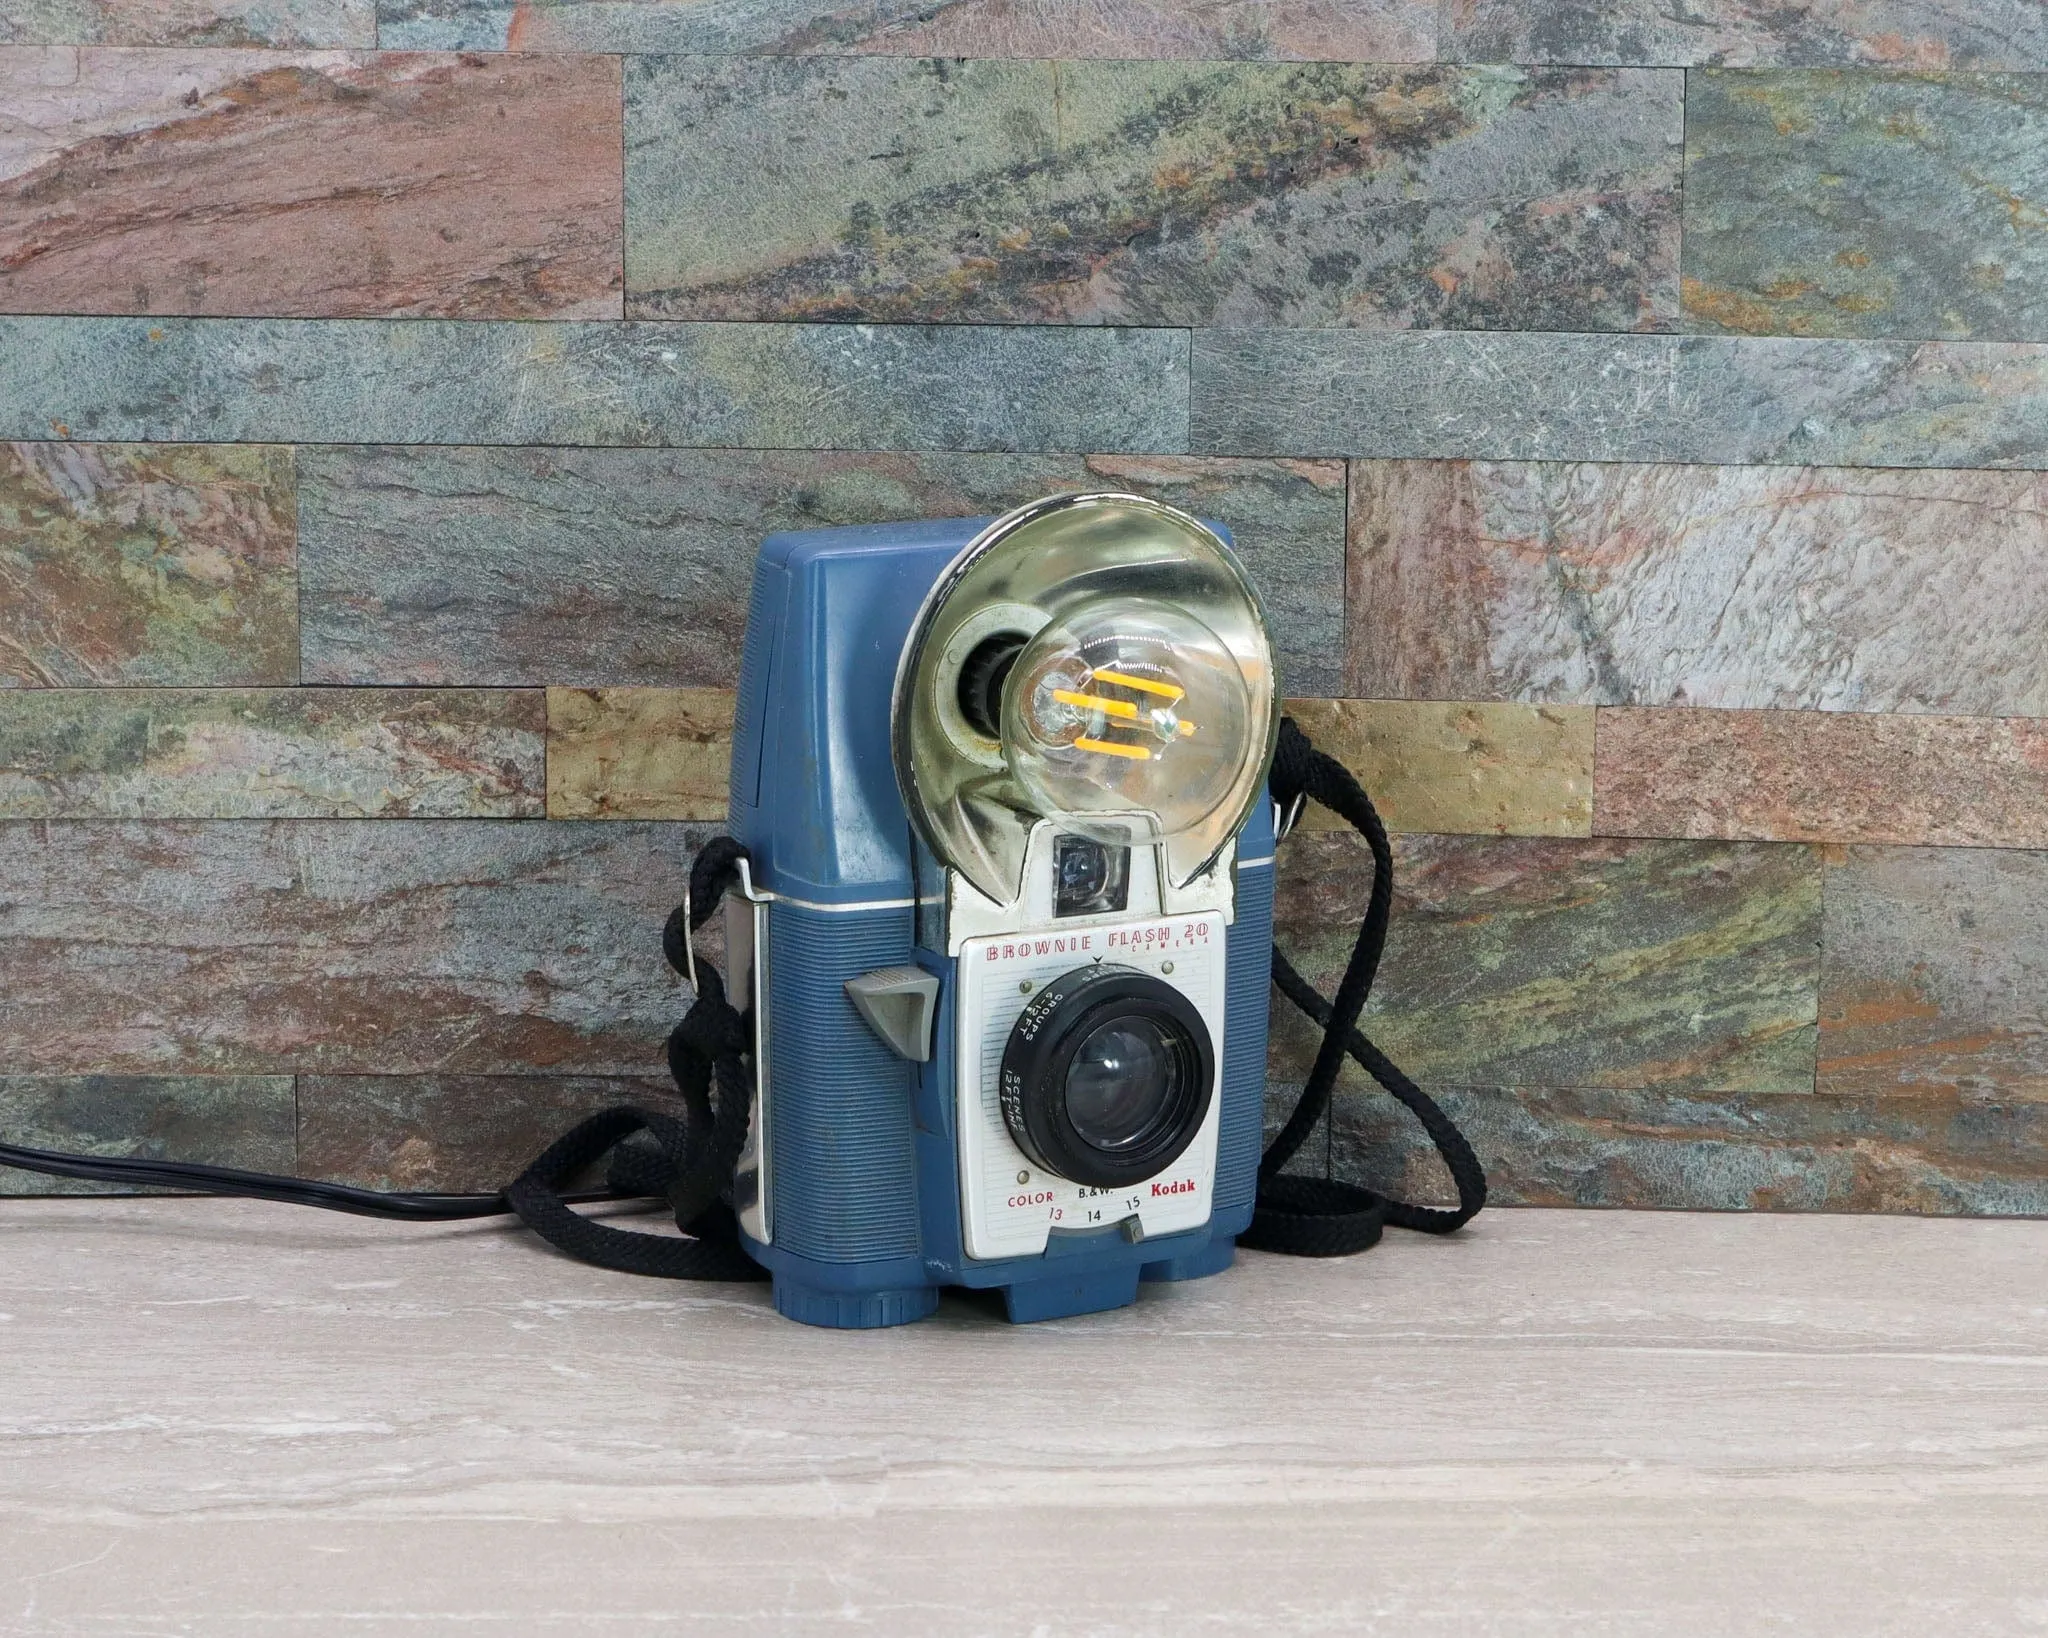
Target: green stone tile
[(1378, 31), (1160, 193), (330, 23), (434, 381), (1529, 397), (1745, 33), (246, 1121), (1927, 1153), (450, 1133), (313, 946), (600, 568), (1830, 203), (1674, 965), (272, 753), (139, 564)]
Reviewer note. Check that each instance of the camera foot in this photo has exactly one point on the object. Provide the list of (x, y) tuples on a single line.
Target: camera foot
[(1213, 1258), (852, 1310), (1071, 1294)]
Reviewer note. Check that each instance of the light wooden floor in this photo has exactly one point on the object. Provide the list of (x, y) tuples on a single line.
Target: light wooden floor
[(228, 1418)]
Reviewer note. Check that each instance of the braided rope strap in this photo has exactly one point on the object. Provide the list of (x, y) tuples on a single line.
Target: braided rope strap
[(1318, 1216), (689, 1161)]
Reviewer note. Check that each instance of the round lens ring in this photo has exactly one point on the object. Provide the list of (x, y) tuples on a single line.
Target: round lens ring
[(1107, 1076)]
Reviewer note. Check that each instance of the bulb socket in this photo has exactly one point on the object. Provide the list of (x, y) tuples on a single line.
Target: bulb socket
[(982, 675)]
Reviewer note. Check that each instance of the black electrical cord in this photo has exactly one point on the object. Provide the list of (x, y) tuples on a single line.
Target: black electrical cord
[(193, 1178)]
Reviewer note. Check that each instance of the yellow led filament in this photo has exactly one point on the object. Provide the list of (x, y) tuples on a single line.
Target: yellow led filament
[(1108, 747), (1123, 711), (1097, 702), (1144, 685)]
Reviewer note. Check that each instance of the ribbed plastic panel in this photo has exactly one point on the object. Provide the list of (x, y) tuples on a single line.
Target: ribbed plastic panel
[(764, 618), (1244, 1040), (842, 1162)]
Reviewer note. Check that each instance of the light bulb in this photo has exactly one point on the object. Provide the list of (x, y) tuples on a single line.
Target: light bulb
[(1127, 706), (1099, 661)]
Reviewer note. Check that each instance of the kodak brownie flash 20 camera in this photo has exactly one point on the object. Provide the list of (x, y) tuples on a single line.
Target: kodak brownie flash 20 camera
[(1007, 919)]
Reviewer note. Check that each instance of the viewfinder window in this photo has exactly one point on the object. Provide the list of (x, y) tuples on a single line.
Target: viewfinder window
[(1089, 878)]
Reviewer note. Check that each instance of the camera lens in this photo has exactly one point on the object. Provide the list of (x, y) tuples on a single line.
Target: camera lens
[(1107, 1076), (1120, 1082)]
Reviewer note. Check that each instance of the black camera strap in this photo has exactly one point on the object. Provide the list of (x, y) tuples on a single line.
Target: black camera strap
[(688, 1162), (1321, 1216)]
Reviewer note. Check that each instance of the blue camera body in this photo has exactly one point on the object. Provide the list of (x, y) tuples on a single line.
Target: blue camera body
[(851, 1192)]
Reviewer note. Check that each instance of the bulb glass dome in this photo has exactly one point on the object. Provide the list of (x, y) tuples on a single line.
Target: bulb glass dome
[(1126, 707), (1098, 660)]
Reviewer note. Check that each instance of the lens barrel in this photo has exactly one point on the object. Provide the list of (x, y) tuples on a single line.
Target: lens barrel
[(1107, 1076)]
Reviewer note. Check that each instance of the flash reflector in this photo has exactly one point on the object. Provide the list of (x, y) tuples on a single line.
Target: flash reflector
[(1097, 660)]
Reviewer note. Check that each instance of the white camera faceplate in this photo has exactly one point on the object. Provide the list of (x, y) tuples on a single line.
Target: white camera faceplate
[(1010, 1206)]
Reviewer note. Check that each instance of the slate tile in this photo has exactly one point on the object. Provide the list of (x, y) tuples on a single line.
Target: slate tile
[(1380, 31), (603, 568), (137, 564), (274, 753), (1863, 204), (1516, 397), (1815, 776), (1459, 769), (429, 381), (660, 753), (1929, 1153), (1675, 965), (453, 1134), (331, 184), (338, 947), (1936, 977), (638, 753), (1151, 193), (1741, 33), (1796, 588), (245, 1121), (189, 22)]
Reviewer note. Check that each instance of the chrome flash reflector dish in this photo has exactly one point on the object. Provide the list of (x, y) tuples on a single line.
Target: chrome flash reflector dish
[(1098, 660)]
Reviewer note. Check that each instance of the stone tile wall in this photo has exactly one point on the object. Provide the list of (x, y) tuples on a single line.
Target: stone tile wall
[(1634, 416)]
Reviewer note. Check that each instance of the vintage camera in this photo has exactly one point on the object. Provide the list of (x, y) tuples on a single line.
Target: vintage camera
[(1007, 918)]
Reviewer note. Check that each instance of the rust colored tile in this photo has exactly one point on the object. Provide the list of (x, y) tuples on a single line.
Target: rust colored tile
[(450, 1133), (1461, 769), (1792, 588), (346, 184), (1936, 973), (147, 563), (271, 753), (1820, 776), (638, 753), (406, 947)]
